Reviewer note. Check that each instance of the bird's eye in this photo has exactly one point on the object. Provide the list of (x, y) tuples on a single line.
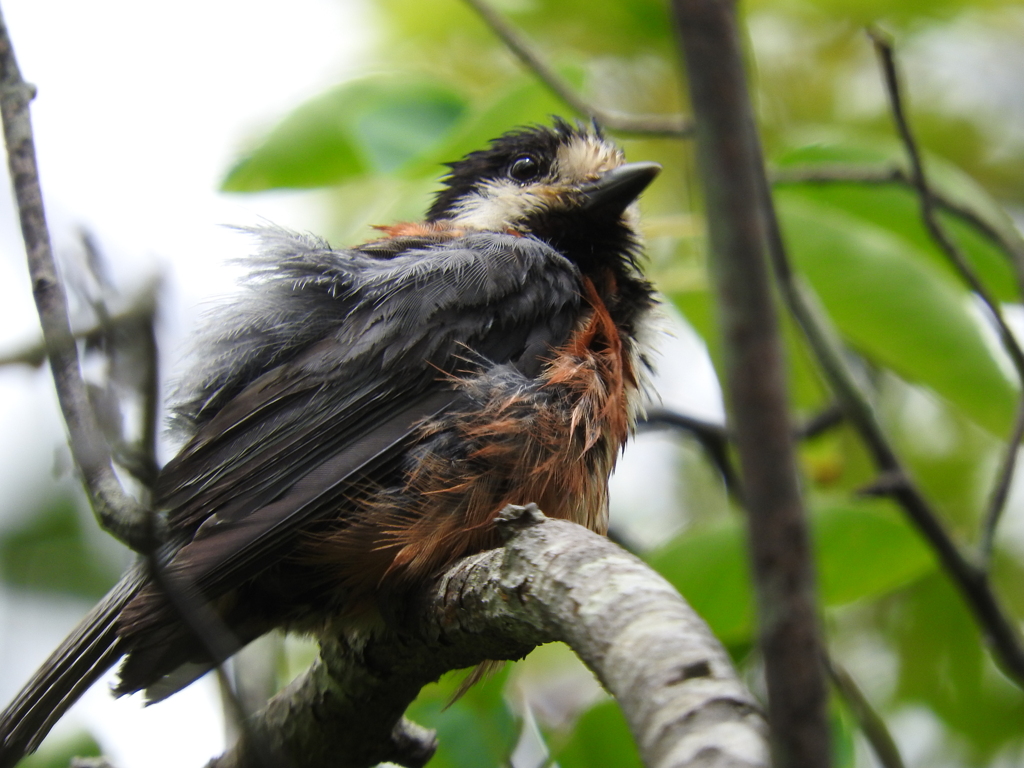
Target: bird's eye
[(524, 168)]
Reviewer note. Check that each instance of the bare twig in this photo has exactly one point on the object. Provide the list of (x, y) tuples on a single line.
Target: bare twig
[(642, 125), (116, 511), (820, 423), (1001, 490), (871, 724), (1007, 241), (144, 457), (732, 169), (713, 438), (552, 580), (839, 173), (34, 354), (997, 501)]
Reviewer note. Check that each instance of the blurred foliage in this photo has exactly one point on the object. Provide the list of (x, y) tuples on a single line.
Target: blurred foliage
[(53, 552), (865, 550), (441, 85), (478, 729), (601, 737), (58, 753)]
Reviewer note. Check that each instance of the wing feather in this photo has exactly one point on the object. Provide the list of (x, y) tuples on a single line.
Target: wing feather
[(320, 376)]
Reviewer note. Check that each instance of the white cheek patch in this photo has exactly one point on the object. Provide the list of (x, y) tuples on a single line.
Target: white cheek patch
[(499, 205), (585, 158)]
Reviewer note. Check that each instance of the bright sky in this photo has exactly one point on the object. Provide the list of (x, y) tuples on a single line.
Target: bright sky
[(141, 108)]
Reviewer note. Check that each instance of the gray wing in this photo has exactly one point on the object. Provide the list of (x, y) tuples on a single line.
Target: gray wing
[(320, 378)]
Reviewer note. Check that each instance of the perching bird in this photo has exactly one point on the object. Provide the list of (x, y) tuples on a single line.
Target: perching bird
[(357, 418)]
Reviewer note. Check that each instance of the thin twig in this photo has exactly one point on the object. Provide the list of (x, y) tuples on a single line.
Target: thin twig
[(997, 501), (149, 394), (115, 510), (1001, 490), (713, 438), (34, 354), (884, 48), (839, 173), (1001, 633), (1008, 242), (825, 420), (732, 171), (868, 720), (667, 126)]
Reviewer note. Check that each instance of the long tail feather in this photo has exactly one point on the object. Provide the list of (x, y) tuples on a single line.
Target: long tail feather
[(84, 656)]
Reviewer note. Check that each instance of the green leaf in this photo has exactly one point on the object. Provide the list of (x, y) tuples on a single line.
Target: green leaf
[(866, 549), (50, 552), (897, 208), (943, 665), (863, 13), (406, 122), (477, 731), (376, 124), (522, 102), (57, 753), (601, 738), (863, 548), (709, 568), (897, 307)]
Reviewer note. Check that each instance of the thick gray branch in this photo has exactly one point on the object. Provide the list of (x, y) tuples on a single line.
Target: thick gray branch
[(551, 581)]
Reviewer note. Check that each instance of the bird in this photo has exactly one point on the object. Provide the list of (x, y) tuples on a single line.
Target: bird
[(354, 420)]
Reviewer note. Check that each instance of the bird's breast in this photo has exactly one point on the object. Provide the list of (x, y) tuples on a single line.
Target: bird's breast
[(552, 440)]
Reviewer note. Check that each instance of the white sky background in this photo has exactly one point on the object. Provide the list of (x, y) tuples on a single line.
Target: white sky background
[(141, 109)]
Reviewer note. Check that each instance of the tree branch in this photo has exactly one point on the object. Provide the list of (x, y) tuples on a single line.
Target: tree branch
[(140, 310), (1001, 490), (825, 420), (732, 169), (997, 501), (115, 510), (713, 438), (1001, 633), (667, 126), (868, 720), (552, 580)]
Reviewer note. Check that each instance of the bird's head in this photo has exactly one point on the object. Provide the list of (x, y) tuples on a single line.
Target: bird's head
[(567, 185)]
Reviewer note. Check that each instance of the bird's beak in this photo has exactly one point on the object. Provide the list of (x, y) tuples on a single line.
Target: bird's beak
[(612, 193)]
